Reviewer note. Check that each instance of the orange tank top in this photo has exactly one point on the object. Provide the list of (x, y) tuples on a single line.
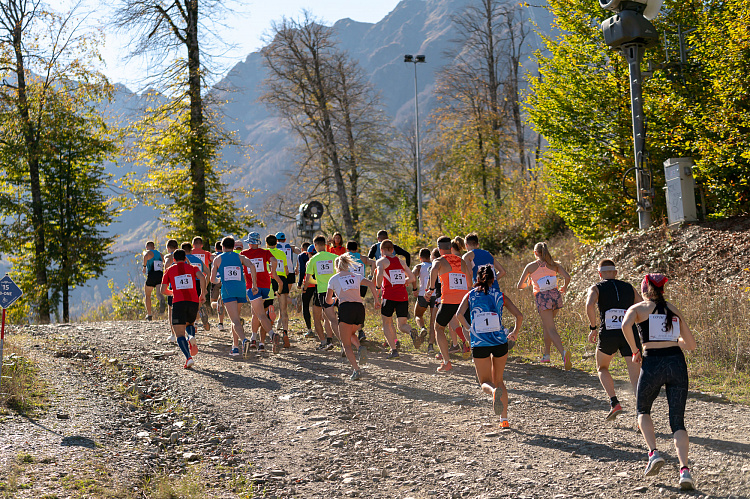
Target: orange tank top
[(543, 278), (454, 284)]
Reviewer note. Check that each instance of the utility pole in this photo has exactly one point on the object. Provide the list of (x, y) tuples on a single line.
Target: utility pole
[(416, 60)]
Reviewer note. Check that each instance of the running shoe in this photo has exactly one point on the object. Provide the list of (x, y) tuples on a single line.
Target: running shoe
[(148, 317), (686, 481), (430, 348), (285, 337), (362, 354), (193, 346), (361, 335), (355, 376), (616, 410), (423, 333), (454, 349), (329, 345), (221, 327), (206, 326), (466, 347), (655, 462), (276, 343), (172, 339), (497, 403), (567, 361), (189, 363), (309, 334), (504, 424), (261, 348), (544, 359), (414, 338), (393, 355), (445, 367), (323, 346), (234, 352), (439, 356), (343, 352), (398, 344), (245, 346), (253, 345)]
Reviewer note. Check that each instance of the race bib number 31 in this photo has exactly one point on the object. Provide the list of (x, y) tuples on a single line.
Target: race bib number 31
[(397, 277), (547, 282), (613, 318), (324, 267), (657, 328), (232, 273), (486, 322), (184, 281), (457, 280)]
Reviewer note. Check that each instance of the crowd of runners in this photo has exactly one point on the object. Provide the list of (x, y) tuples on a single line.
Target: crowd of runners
[(457, 282)]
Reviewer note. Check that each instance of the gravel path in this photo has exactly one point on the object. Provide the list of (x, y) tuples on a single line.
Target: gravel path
[(293, 425)]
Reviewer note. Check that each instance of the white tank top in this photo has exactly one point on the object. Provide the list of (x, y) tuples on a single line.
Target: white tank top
[(424, 277)]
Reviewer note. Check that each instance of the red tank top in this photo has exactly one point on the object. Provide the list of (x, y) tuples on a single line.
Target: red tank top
[(181, 278), (204, 255), (454, 284), (260, 258), (394, 282)]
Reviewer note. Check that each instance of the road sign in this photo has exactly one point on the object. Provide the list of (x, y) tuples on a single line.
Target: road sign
[(9, 292)]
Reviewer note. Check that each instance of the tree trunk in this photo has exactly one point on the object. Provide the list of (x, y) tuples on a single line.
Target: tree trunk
[(37, 210), (197, 132)]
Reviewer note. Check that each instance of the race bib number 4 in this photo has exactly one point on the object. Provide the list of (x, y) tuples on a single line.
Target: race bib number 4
[(657, 328), (158, 265), (547, 282), (324, 267), (613, 318), (232, 273), (397, 277), (486, 322), (184, 281), (349, 282), (457, 280)]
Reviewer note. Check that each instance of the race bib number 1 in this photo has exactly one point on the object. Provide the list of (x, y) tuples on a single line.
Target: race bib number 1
[(324, 267), (158, 265), (657, 328), (184, 281), (613, 318), (547, 282), (397, 277), (486, 322), (232, 273), (457, 280)]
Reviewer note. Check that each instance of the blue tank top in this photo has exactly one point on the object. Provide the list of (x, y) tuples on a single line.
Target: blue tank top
[(150, 262), (195, 260), (232, 275), (486, 318), (483, 257)]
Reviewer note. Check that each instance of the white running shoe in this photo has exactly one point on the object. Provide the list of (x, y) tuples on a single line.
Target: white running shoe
[(686, 481), (655, 462), (172, 339)]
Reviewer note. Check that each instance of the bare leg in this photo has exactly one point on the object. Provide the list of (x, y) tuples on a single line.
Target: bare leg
[(318, 322), (681, 444), (331, 322), (403, 325), (389, 332), (147, 299), (634, 372), (284, 312), (433, 312), (419, 315), (260, 313), (233, 311), (442, 342), (548, 322), (646, 424), (347, 333), (602, 366), (498, 368)]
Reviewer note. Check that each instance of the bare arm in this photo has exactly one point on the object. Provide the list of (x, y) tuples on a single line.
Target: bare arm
[(329, 296), (631, 316), (247, 263), (371, 285), (434, 273), (215, 268), (411, 278), (566, 277), (499, 269), (523, 282), (460, 313), (511, 307), (273, 262), (202, 278), (146, 257), (379, 271), (686, 341), (469, 274), (591, 300), (415, 271)]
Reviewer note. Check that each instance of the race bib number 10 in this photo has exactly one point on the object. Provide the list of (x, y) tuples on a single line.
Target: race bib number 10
[(184, 281), (657, 328), (486, 322), (232, 273), (349, 282), (613, 318), (324, 267)]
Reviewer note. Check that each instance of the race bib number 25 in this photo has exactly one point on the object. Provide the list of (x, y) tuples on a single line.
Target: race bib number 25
[(397, 277)]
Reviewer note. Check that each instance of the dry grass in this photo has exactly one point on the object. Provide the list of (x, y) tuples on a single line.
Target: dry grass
[(21, 390)]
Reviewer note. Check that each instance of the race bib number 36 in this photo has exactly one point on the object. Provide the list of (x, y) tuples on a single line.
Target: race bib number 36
[(457, 280), (613, 318), (158, 265), (486, 322), (232, 273), (324, 267), (657, 328), (397, 277), (184, 281), (547, 282)]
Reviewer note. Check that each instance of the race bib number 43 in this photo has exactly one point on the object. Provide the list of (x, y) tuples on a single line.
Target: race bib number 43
[(613, 318), (457, 280), (547, 282), (397, 276), (324, 267), (657, 328), (486, 322), (232, 273), (184, 281)]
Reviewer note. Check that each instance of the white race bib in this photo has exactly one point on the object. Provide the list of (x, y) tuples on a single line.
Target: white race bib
[(324, 267), (657, 328), (547, 282), (280, 266), (457, 281), (358, 269), (232, 273), (397, 276), (348, 282), (184, 281), (613, 318), (486, 322), (258, 262), (288, 253), (158, 265)]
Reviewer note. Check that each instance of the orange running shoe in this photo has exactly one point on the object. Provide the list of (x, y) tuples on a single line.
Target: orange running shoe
[(504, 424)]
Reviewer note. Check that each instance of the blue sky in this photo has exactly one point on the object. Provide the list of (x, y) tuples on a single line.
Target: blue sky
[(243, 31)]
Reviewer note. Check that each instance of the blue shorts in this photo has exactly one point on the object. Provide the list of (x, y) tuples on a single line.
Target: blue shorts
[(262, 293), (230, 299)]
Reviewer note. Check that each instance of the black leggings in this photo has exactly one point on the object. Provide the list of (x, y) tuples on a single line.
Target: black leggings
[(664, 367), (306, 297)]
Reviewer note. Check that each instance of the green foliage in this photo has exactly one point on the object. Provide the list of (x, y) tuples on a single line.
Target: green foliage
[(127, 303)]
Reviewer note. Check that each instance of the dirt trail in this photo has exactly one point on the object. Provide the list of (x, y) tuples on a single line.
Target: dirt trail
[(295, 426)]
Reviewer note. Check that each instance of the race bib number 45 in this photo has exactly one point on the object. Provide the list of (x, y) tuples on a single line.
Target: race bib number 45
[(613, 318), (486, 322), (547, 282), (184, 281), (457, 280), (324, 267), (232, 273), (397, 276), (657, 328)]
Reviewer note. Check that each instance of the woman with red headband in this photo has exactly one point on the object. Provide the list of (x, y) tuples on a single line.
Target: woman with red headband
[(664, 335)]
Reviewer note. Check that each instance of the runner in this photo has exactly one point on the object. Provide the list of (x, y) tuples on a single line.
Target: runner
[(264, 265), (308, 289), (292, 255), (542, 275), (280, 287), (172, 246), (181, 278), (613, 297), (199, 262), (489, 339), (206, 258), (421, 272), (337, 244), (153, 267), (319, 270), (229, 265), (352, 248), (345, 285), (664, 335), (476, 258), (394, 276), (458, 246), (216, 301), (455, 279), (374, 253)]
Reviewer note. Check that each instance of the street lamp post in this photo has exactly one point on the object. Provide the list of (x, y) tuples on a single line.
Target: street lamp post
[(416, 60)]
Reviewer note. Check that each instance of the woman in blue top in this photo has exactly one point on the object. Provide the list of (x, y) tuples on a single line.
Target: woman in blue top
[(489, 339)]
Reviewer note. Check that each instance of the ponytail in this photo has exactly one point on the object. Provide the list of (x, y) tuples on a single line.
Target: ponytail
[(655, 293), (543, 250), (343, 263), (485, 278)]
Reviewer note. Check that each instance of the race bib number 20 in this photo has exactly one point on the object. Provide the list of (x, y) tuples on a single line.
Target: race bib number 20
[(613, 318)]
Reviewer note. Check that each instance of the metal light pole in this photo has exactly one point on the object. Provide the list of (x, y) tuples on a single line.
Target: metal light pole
[(416, 60)]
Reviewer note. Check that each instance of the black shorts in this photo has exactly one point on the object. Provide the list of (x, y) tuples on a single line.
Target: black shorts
[(291, 280), (351, 312), (421, 302), (400, 307), (267, 303), (184, 312), (153, 279), (169, 300), (320, 300), (446, 312), (362, 291), (612, 340), (484, 352)]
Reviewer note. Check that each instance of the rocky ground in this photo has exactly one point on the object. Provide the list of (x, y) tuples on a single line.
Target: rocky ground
[(123, 415)]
